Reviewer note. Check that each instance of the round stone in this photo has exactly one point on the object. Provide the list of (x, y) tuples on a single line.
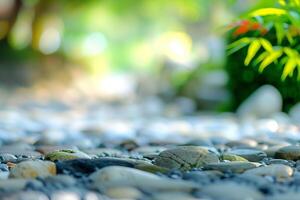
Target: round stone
[(288, 152), (123, 176), (27, 195), (123, 193), (66, 155), (185, 158), (32, 169), (279, 171), (235, 167), (232, 191), (232, 157), (249, 154)]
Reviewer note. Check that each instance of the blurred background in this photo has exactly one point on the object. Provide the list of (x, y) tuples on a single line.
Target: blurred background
[(122, 50)]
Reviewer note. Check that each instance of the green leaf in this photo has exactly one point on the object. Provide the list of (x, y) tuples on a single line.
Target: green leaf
[(268, 11), (269, 59), (261, 57), (279, 32), (252, 50), (290, 52), (237, 45), (288, 68), (266, 44)]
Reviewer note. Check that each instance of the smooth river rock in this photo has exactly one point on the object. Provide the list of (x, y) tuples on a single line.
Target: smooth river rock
[(232, 191), (249, 154), (69, 154), (264, 102), (123, 176), (235, 167), (33, 169), (291, 152), (185, 158), (277, 170)]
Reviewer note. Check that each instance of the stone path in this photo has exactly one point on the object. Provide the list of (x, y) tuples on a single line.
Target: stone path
[(144, 151)]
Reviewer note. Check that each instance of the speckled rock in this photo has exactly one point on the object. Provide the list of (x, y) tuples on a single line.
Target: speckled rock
[(66, 155), (277, 170), (32, 169), (235, 167), (185, 158), (291, 152)]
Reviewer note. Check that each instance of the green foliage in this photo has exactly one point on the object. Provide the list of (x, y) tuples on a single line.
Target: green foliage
[(263, 50)]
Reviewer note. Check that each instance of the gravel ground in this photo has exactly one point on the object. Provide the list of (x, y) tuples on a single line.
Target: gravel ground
[(148, 150)]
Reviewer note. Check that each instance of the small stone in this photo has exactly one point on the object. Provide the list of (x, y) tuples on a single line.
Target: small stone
[(279, 171), (235, 167), (27, 195), (295, 113), (258, 104), (185, 158), (173, 196), (123, 176), (285, 196), (281, 161), (66, 155), (6, 157), (16, 184), (11, 155), (79, 167), (123, 193), (45, 149), (104, 152), (149, 150), (33, 169), (232, 191), (271, 151), (232, 157), (63, 195), (242, 143), (291, 152), (249, 154), (203, 177), (60, 181)]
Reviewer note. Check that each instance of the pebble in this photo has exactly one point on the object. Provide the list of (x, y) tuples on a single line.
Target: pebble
[(80, 167), (232, 191), (173, 196), (285, 196), (232, 157), (104, 152), (279, 171), (185, 158), (45, 149), (124, 176), (291, 152), (258, 103), (249, 154), (16, 184), (63, 195), (66, 155), (235, 167), (33, 169), (123, 193), (27, 195)]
